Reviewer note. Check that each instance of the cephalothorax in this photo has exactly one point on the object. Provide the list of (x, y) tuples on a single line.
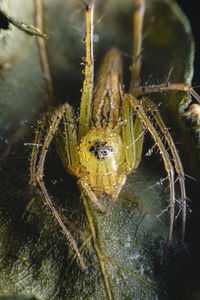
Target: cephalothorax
[(101, 154), (105, 145)]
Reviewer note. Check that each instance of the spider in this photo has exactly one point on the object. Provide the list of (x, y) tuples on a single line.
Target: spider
[(105, 145)]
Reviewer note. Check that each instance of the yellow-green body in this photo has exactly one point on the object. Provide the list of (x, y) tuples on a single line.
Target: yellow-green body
[(102, 159), (108, 145)]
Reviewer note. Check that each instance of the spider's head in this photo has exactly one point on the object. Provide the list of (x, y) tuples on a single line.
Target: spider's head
[(101, 152)]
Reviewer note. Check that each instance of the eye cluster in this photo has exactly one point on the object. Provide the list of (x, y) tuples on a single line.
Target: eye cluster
[(101, 150)]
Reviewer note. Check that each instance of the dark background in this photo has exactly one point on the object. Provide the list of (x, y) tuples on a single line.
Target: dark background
[(191, 9)]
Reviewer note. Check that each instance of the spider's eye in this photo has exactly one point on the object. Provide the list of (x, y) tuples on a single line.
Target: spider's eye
[(101, 150)]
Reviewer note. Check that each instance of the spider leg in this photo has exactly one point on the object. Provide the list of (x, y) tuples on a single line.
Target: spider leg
[(86, 187), (177, 161), (39, 133), (132, 129), (132, 133), (139, 8), (88, 84), (116, 194), (66, 140), (38, 175), (97, 249), (81, 233), (138, 107), (182, 87)]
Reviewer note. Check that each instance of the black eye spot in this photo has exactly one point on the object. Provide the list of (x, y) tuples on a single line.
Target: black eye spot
[(101, 150)]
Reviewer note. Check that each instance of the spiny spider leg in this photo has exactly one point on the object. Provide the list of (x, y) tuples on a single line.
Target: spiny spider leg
[(177, 162), (39, 133), (73, 226), (138, 18), (88, 84), (142, 90), (139, 108), (148, 89), (56, 119), (97, 249)]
